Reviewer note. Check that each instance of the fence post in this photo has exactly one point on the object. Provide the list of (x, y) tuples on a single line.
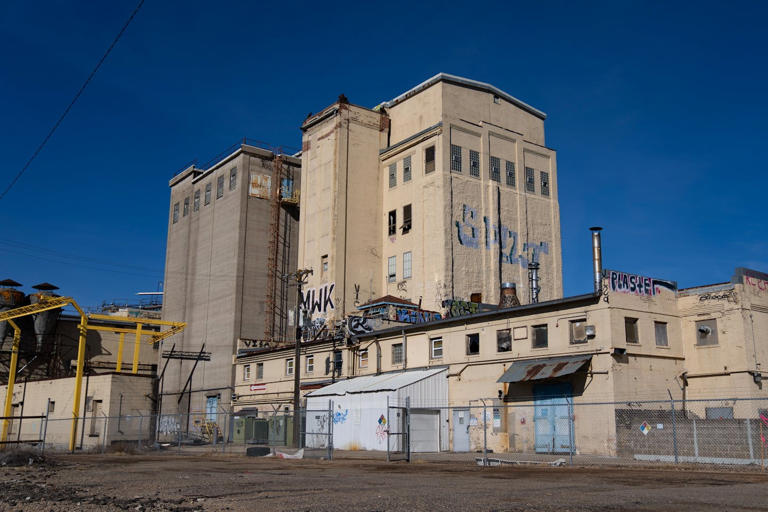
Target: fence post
[(749, 441), (141, 425), (570, 431), (40, 432), (178, 431), (45, 428), (695, 440), (104, 435), (408, 429), (330, 429), (389, 425), (674, 426)]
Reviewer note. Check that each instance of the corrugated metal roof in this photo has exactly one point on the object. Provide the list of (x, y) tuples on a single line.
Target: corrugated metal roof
[(544, 368), (374, 383)]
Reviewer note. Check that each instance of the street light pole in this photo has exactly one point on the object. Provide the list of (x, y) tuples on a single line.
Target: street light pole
[(301, 276)]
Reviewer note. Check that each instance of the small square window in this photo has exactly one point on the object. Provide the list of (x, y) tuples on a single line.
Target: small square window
[(259, 371), (219, 187), (544, 183), (196, 201), (436, 348), (630, 330), (503, 340), (406, 169), (397, 353), (392, 269), (289, 366), (323, 265), (530, 184), (474, 163), (407, 265), (51, 406), (392, 222), (429, 159), (246, 372), (406, 218), (473, 344), (496, 99), (186, 207), (706, 332), (578, 330), (495, 168), (455, 158), (540, 336), (392, 175), (310, 364), (510, 173), (661, 334), (364, 358), (233, 178), (175, 213), (207, 194)]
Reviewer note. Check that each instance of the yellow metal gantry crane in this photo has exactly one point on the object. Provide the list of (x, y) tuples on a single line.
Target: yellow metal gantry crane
[(51, 302)]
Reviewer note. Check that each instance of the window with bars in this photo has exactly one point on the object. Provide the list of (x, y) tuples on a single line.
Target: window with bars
[(397, 353), (530, 184), (407, 265), (392, 175), (510, 173), (186, 206), (474, 163), (196, 201), (233, 178), (407, 222), (392, 269), (406, 169), (392, 222), (544, 183), (219, 187), (176, 213), (207, 193), (429, 159), (495, 168), (455, 158)]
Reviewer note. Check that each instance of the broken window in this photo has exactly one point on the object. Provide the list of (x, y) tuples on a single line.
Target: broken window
[(503, 340), (544, 183), (578, 331), (406, 218), (473, 343), (392, 222), (429, 159)]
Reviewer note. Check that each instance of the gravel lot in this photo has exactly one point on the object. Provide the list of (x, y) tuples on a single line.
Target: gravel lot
[(234, 482)]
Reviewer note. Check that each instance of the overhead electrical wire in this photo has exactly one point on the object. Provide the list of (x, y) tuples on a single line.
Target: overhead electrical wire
[(72, 103)]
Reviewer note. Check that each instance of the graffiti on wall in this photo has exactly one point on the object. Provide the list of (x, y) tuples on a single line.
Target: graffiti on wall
[(168, 424), (416, 316), (759, 284), (340, 417), (318, 300), (727, 295), (513, 252), (622, 282), (357, 325), (455, 308)]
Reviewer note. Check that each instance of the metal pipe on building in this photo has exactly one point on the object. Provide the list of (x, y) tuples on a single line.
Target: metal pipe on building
[(533, 279), (597, 259)]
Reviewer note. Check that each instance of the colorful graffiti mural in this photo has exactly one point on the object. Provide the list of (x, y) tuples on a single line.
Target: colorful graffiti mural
[(416, 316), (622, 282), (513, 252), (357, 325), (455, 308)]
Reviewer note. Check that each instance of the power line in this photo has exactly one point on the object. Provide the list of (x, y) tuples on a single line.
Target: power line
[(74, 100)]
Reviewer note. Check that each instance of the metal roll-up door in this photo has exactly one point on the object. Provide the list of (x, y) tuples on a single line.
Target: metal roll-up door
[(425, 431)]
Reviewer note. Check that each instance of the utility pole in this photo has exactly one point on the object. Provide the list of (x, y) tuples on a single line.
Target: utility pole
[(301, 276)]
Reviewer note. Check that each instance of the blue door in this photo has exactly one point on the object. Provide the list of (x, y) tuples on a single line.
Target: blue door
[(552, 418), (211, 408)]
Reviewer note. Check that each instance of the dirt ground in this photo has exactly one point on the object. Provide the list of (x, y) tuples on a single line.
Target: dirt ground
[(233, 482)]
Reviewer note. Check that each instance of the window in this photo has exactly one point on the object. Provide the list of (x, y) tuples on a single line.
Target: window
[(455, 158), (364, 358), (207, 193), (630, 330), (496, 99), (323, 265), (539, 337), (436, 348), (310, 364), (510, 173), (186, 207), (719, 413), (259, 371), (495, 168), (51, 406), (706, 332), (392, 269), (175, 213), (289, 366), (407, 218), (392, 222), (407, 270), (578, 330), (219, 187), (530, 185), (474, 163), (473, 344), (392, 175), (397, 353), (661, 334), (233, 178), (544, 183), (246, 372), (503, 340), (196, 201), (406, 169), (429, 159)]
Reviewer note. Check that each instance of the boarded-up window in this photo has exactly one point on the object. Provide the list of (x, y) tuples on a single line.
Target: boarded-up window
[(429, 159), (474, 163), (495, 168)]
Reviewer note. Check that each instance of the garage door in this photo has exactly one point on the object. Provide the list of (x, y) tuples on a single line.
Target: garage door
[(425, 431)]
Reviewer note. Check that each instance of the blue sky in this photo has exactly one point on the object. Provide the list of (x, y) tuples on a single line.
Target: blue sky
[(657, 111)]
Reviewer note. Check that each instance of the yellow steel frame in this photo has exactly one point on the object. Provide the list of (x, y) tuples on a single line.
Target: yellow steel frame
[(48, 303)]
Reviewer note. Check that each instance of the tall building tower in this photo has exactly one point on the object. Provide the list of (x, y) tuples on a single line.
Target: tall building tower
[(446, 191), (232, 236)]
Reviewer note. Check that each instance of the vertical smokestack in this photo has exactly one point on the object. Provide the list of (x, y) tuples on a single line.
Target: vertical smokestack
[(533, 278), (597, 258), (508, 296)]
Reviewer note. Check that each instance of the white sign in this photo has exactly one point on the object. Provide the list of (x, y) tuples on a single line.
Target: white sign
[(258, 387)]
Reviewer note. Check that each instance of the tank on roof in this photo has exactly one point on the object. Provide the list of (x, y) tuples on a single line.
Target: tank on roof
[(10, 298), (45, 321)]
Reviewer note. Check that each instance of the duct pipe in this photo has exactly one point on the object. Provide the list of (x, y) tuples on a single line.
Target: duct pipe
[(597, 259)]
